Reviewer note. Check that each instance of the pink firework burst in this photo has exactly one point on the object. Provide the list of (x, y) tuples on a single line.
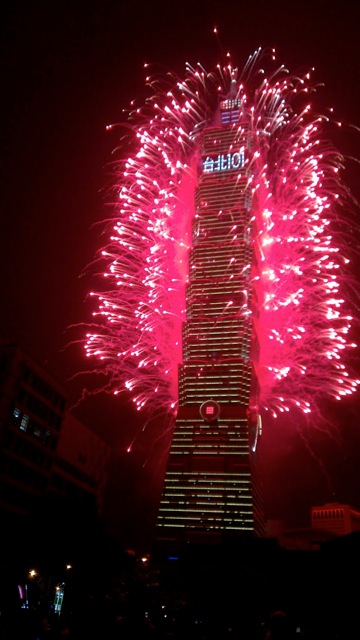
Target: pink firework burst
[(300, 285)]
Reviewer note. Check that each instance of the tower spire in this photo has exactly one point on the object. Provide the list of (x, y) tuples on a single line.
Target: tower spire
[(233, 84)]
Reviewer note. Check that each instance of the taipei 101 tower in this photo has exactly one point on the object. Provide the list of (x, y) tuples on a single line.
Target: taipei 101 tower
[(210, 488), (232, 226)]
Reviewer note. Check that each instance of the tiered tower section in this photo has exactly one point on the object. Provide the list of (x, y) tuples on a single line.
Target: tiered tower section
[(210, 486)]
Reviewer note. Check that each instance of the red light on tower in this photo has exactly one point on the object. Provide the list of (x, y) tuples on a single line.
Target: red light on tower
[(210, 410)]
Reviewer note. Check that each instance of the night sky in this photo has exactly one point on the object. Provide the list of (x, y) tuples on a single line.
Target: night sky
[(68, 69)]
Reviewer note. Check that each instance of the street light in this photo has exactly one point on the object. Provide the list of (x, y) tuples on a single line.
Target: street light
[(32, 573)]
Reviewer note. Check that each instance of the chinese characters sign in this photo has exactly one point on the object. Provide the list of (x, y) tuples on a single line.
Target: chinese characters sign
[(224, 162)]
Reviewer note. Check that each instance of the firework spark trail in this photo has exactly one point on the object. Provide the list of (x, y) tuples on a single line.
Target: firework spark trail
[(301, 280), (301, 270)]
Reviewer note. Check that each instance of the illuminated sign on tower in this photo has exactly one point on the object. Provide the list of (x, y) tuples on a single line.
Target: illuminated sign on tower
[(210, 486)]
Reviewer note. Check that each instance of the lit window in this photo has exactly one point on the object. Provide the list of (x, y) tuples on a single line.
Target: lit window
[(24, 422)]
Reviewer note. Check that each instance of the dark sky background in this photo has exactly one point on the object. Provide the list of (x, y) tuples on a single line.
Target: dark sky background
[(69, 68)]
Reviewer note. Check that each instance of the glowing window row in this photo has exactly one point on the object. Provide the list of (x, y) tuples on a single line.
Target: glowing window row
[(214, 352), (186, 438), (238, 252), (224, 423), (200, 446), (205, 326), (208, 269), (215, 288), (224, 265), (176, 525), (212, 188), (214, 495), (215, 512), (213, 255), (221, 235), (204, 436), (231, 371), (221, 140), (228, 241), (209, 477), (202, 273), (224, 427), (209, 382), (203, 431), (239, 396), (216, 524), (213, 343), (212, 381), (223, 171), (228, 248), (213, 340), (221, 271), (206, 387), (216, 450), (242, 495), (229, 306), (212, 446), (241, 505), (220, 226), (194, 506), (218, 515), (214, 200), (222, 369), (223, 219)]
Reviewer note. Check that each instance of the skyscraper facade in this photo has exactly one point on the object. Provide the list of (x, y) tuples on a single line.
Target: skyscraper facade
[(211, 484)]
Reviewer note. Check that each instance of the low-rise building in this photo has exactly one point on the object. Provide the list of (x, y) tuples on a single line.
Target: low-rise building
[(45, 452), (339, 519)]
